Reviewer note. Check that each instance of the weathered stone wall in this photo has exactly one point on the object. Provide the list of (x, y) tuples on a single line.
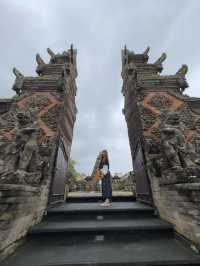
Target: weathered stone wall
[(170, 139), (21, 207), (125, 182), (35, 137)]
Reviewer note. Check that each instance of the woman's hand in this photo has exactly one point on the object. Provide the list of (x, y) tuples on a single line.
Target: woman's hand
[(101, 174)]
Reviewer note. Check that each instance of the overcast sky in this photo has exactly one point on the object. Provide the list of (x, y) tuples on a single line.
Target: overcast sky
[(99, 29)]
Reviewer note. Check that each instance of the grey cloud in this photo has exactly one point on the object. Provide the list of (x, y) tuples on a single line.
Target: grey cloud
[(99, 29)]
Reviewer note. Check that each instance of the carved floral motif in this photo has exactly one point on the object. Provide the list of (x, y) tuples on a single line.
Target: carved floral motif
[(148, 117), (160, 102)]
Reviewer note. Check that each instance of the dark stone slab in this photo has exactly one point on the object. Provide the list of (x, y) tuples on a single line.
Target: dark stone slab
[(95, 207), (102, 225), (97, 198), (65, 251)]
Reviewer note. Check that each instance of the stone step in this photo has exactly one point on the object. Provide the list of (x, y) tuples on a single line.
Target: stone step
[(103, 215), (110, 225), (76, 251), (88, 197), (94, 207), (75, 234), (92, 211)]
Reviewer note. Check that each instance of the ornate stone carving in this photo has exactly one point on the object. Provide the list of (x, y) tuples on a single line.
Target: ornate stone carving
[(41, 64), (171, 145), (174, 159), (20, 161), (160, 102), (179, 156), (36, 102), (7, 122), (147, 116), (153, 150), (17, 87), (51, 118), (55, 58), (172, 141), (50, 52), (161, 59), (146, 51), (182, 71), (62, 81)]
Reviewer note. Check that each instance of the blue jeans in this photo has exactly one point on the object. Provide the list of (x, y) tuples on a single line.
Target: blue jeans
[(106, 187)]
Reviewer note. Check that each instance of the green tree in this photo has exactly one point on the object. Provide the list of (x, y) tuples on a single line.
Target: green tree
[(72, 170)]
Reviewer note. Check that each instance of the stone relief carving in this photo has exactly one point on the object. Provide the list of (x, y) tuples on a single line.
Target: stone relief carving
[(174, 159), (160, 102), (147, 116), (21, 159), (17, 87)]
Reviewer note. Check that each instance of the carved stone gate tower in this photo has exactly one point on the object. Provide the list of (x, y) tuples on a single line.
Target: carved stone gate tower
[(36, 130), (164, 134)]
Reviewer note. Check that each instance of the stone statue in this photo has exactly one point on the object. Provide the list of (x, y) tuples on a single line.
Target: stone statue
[(28, 149), (161, 59), (178, 155), (26, 142), (18, 81), (20, 159), (174, 144)]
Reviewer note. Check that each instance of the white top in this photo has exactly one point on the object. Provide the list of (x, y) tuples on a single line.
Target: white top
[(105, 169)]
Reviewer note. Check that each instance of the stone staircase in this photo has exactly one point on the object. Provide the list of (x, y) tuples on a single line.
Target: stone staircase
[(81, 232)]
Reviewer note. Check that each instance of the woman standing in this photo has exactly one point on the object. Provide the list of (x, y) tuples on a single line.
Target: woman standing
[(106, 180)]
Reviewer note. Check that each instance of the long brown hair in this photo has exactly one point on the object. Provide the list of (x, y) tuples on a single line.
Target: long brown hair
[(104, 157)]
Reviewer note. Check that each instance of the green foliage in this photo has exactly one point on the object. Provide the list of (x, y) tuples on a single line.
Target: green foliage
[(71, 169), (44, 119)]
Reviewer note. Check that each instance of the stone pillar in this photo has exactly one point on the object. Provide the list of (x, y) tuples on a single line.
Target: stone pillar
[(36, 132), (164, 133)]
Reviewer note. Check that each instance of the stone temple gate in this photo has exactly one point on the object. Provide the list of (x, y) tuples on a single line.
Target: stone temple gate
[(36, 131), (164, 134)]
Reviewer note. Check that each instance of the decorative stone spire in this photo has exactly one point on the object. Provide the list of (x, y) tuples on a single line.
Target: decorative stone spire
[(39, 60), (161, 59), (147, 50), (17, 73), (50, 52), (40, 63), (17, 87), (59, 62), (182, 71)]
